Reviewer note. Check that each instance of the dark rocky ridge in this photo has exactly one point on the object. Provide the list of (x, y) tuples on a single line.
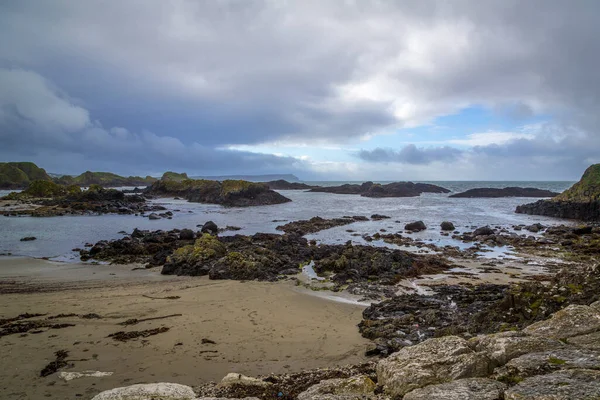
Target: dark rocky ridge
[(285, 185), (395, 189), (104, 179), (581, 201), (505, 192), (317, 224), (227, 193)]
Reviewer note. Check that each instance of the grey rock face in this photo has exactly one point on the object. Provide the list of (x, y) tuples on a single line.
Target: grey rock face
[(433, 361), (462, 389), (573, 320), (580, 384), (354, 388), (505, 346)]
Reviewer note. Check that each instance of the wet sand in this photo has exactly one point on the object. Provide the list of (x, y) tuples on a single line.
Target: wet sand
[(259, 328)]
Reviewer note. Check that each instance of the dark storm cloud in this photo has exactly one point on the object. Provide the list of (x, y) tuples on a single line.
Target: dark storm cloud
[(203, 75), (411, 154)]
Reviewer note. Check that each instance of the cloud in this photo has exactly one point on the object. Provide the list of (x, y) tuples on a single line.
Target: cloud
[(202, 76), (411, 154), (490, 138)]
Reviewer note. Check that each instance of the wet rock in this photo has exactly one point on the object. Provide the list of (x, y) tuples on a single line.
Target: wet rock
[(314, 225), (505, 192), (572, 321), (483, 231), (583, 230), (395, 189), (431, 362), (545, 362), (186, 234), (447, 226), (210, 227), (28, 238), (354, 388), (415, 226), (379, 217), (163, 391), (462, 389), (535, 228), (154, 216), (504, 346), (578, 384)]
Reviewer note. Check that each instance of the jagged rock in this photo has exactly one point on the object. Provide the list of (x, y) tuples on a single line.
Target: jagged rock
[(431, 362), (210, 227), (233, 378), (483, 231), (153, 216), (379, 217), (415, 226), (186, 234), (447, 226), (572, 321), (28, 239), (462, 389), (504, 346), (354, 388), (161, 390), (580, 384), (549, 361)]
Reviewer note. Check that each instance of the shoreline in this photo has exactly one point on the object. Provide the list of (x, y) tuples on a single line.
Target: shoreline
[(259, 328)]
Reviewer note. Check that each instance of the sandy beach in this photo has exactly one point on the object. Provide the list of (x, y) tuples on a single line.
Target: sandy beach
[(258, 328)]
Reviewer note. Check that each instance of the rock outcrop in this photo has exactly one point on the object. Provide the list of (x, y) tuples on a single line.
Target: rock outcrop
[(285, 185), (395, 189), (163, 391), (104, 179), (18, 175), (581, 201), (505, 192), (317, 224), (228, 193)]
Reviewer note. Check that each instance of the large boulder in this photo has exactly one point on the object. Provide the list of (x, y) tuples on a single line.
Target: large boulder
[(416, 226), (504, 346), (548, 361), (234, 378), (161, 390), (483, 231), (433, 361), (354, 388), (462, 389), (186, 234), (571, 321), (588, 341), (447, 226), (580, 384), (210, 227)]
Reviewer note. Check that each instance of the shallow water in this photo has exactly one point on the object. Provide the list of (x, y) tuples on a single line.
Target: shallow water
[(56, 236)]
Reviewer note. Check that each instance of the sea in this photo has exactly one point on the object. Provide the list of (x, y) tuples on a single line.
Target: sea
[(58, 236)]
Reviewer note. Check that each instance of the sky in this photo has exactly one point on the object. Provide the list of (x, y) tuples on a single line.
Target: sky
[(324, 89)]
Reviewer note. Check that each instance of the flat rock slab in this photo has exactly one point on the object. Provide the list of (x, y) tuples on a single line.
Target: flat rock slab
[(503, 347), (462, 389), (549, 361), (571, 321), (354, 388), (580, 384), (431, 362), (154, 391)]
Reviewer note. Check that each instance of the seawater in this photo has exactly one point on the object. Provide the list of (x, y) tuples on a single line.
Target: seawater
[(57, 236)]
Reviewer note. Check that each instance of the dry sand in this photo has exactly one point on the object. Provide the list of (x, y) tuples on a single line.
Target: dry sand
[(259, 328)]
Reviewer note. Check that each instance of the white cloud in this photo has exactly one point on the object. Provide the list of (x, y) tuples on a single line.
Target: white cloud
[(489, 138)]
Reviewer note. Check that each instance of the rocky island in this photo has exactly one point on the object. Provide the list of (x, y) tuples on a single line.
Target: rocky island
[(395, 189), (18, 175), (505, 192), (230, 193), (581, 201)]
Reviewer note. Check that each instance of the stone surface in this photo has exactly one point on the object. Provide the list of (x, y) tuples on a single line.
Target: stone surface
[(447, 226), (154, 391), (589, 341), (571, 321), (462, 389), (354, 388), (431, 362), (504, 346), (415, 226), (549, 361), (239, 379), (580, 384), (69, 376)]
